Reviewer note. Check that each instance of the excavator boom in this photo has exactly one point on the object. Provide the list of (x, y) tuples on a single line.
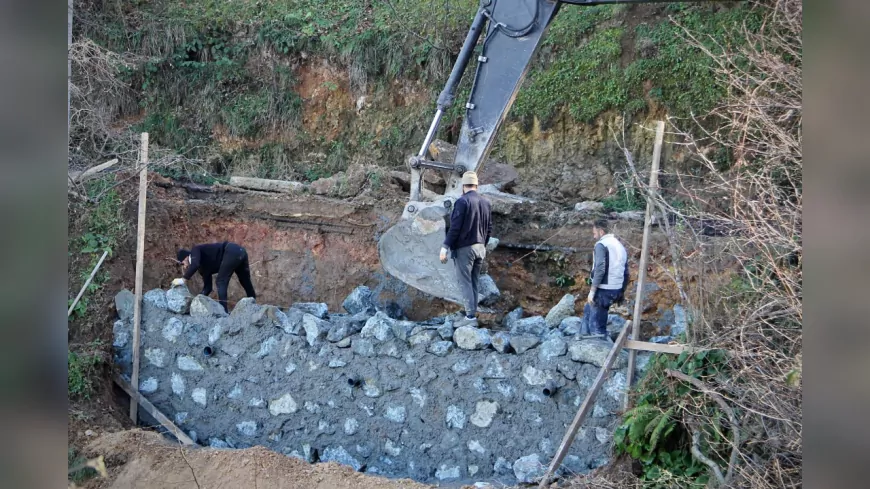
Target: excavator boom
[(512, 31)]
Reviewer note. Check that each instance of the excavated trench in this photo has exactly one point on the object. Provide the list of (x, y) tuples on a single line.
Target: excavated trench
[(350, 365)]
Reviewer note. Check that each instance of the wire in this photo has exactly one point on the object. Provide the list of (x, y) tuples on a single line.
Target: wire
[(508, 31)]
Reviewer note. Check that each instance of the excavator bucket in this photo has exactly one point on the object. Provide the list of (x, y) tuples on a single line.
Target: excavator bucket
[(409, 251)]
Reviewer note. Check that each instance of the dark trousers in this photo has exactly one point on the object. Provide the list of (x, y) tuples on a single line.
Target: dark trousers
[(467, 262), (595, 315), (235, 259)]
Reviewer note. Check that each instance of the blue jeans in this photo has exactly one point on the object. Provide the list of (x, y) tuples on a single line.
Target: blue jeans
[(595, 315)]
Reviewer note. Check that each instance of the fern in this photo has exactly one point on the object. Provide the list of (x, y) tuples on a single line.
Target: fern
[(658, 430)]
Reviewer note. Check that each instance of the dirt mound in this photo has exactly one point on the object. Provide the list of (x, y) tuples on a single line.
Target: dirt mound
[(143, 459)]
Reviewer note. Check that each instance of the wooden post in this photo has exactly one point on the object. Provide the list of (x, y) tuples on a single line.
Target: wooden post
[(87, 282), (644, 250), (140, 269), (568, 439), (153, 411)]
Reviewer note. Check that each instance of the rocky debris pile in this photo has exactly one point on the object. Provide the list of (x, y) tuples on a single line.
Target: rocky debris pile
[(424, 400)]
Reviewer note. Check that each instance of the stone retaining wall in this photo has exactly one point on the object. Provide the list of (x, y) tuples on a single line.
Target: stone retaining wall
[(385, 396)]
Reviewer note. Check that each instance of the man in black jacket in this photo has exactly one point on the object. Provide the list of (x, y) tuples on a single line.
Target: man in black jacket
[(470, 229), (221, 258)]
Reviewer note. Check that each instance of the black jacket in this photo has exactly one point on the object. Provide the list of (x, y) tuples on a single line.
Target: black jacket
[(205, 258), (470, 222)]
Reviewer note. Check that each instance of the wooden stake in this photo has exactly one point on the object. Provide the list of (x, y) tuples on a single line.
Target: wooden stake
[(140, 270), (568, 439), (153, 411), (644, 250), (87, 282)]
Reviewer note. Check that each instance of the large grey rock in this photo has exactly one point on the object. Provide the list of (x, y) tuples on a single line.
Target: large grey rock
[(172, 330), (560, 311), (202, 306), (523, 343), (178, 299), (379, 327), (512, 317), (316, 309), (552, 348), (534, 377), (422, 338), (471, 338), (291, 321), (360, 300), (345, 326), (588, 206), (121, 334), (124, 303), (446, 472), (155, 298), (535, 326), (501, 341), (340, 455), (245, 308), (445, 332), (571, 326), (455, 417), (487, 291), (529, 469), (315, 329), (267, 317), (402, 329), (595, 352)]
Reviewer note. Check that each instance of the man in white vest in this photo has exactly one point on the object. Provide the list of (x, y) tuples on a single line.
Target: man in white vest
[(609, 278)]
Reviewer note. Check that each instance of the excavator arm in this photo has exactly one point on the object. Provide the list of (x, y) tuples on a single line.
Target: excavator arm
[(512, 31)]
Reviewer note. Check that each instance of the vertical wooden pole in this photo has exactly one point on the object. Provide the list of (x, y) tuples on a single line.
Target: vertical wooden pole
[(644, 250), (140, 269)]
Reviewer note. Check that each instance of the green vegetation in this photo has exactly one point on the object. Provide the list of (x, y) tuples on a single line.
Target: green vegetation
[(232, 68), (654, 432), (81, 371)]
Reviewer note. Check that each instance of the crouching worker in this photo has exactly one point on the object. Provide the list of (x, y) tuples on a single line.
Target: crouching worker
[(221, 258), (609, 279)]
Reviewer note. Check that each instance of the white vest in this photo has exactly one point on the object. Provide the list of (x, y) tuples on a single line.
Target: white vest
[(615, 264)]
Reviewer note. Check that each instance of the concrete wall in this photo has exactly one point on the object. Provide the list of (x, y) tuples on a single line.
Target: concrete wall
[(426, 407)]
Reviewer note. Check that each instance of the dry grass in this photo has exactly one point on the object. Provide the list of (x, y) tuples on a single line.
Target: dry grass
[(746, 201)]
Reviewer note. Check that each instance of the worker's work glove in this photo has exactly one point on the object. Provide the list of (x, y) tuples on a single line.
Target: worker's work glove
[(177, 282), (591, 297), (490, 246), (443, 255)]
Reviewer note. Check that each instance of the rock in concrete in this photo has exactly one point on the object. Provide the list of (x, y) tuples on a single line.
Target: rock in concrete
[(402, 329), (340, 455), (148, 386), (501, 341), (395, 413), (124, 303), (379, 327), (156, 357), (187, 363), (488, 292), (534, 376), (315, 329), (588, 206), (283, 405), (155, 298), (502, 466), (316, 309), (523, 343), (529, 469), (363, 347), (440, 348), (535, 326), (202, 306), (360, 300), (178, 299), (595, 352), (121, 334), (422, 338), (551, 349), (484, 413), (560, 311), (455, 417), (199, 396), (471, 338), (172, 330), (446, 472), (247, 428)]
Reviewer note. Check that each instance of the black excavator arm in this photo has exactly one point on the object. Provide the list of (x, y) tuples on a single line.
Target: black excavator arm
[(512, 31)]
